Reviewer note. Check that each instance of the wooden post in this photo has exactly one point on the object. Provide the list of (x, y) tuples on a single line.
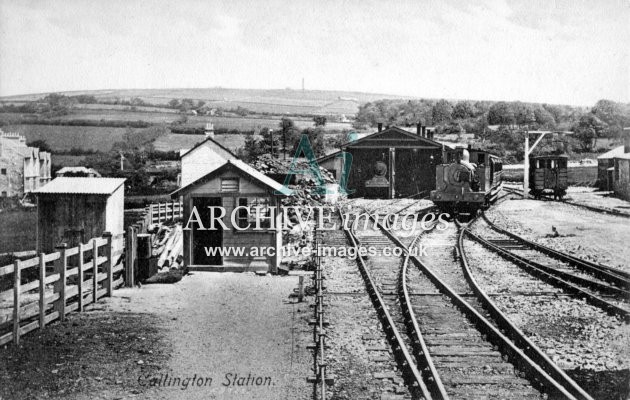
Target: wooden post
[(301, 289), (130, 255), (80, 277), (42, 291), (61, 266), (17, 274), (94, 271), (173, 207), (109, 269)]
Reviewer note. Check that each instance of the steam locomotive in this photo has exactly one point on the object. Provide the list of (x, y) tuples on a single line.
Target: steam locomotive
[(468, 181)]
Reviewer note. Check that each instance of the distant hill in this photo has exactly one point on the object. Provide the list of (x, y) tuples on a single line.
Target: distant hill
[(256, 100)]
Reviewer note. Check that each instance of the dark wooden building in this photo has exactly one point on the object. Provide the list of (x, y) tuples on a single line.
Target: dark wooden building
[(75, 210), (390, 163), (233, 184)]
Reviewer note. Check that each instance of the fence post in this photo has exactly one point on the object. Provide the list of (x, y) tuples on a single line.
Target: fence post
[(60, 267), (17, 280), (42, 291), (94, 271), (80, 277), (173, 208), (130, 255), (109, 269)]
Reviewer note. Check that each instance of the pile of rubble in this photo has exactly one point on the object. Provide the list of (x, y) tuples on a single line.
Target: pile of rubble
[(306, 189)]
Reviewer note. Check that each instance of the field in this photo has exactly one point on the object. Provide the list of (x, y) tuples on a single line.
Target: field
[(66, 137), (19, 230), (279, 101)]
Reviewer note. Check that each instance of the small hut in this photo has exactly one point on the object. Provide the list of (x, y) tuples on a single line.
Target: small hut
[(74, 210), (233, 184)]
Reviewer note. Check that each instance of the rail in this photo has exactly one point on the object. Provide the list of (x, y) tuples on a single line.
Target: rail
[(553, 278), (520, 358), (610, 274), (319, 334), (516, 335), (410, 372), (67, 280)]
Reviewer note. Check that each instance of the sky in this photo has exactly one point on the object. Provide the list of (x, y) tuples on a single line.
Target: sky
[(568, 52)]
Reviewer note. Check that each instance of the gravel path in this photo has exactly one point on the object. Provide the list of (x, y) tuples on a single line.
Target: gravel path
[(240, 334)]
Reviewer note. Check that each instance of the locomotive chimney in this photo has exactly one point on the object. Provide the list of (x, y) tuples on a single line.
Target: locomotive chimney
[(380, 126)]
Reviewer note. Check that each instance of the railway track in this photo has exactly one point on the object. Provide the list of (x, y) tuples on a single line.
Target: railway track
[(600, 287), (601, 210), (450, 348)]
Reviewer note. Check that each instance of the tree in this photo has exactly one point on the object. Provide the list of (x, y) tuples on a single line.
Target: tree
[(442, 111), (42, 145), (316, 138), (544, 117), (585, 137), (463, 110), (253, 148), (523, 113), (501, 113), (173, 103), (319, 120)]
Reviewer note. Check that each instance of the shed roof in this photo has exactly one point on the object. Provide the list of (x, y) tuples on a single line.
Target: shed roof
[(394, 137), (242, 167), (624, 156), (68, 185), (616, 152)]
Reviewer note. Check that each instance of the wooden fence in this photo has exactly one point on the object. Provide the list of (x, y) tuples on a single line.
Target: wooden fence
[(47, 287), (164, 212)]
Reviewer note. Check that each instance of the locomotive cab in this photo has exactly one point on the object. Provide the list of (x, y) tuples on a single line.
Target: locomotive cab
[(470, 181)]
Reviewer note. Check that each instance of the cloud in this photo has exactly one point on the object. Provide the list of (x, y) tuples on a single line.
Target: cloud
[(559, 51)]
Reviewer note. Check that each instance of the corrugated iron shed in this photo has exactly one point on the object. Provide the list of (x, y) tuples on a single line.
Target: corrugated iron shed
[(69, 185)]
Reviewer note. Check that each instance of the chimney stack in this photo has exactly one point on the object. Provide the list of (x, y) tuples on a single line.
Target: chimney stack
[(424, 131), (430, 134), (209, 131), (626, 144), (419, 129), (380, 126)]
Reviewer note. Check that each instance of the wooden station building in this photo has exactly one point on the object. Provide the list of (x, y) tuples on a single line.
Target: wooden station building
[(390, 163), (232, 184), (74, 210)]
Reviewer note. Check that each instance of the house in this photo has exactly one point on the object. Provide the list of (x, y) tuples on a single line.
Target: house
[(389, 163), (78, 172), (605, 165), (204, 157), (230, 185), (621, 176), (74, 210), (23, 169)]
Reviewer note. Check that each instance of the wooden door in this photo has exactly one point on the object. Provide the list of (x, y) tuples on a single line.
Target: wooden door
[(206, 238)]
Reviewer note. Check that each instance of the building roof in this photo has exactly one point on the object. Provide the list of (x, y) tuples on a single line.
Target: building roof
[(67, 185), (208, 139), (624, 156), (616, 152), (395, 137), (77, 169), (243, 168)]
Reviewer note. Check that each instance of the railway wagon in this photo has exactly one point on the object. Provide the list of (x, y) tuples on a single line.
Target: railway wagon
[(548, 176), (470, 180)]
